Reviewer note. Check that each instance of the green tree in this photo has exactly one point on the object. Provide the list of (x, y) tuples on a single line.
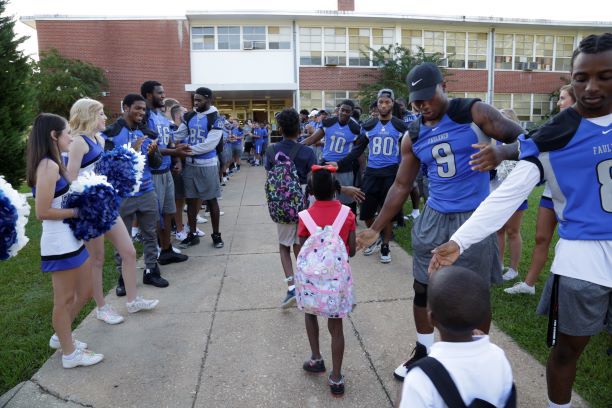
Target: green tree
[(394, 62), (61, 81), (18, 106)]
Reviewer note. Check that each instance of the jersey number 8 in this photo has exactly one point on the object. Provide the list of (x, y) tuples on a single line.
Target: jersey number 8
[(604, 177)]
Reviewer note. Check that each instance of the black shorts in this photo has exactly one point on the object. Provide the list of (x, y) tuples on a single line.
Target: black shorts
[(248, 146), (375, 189)]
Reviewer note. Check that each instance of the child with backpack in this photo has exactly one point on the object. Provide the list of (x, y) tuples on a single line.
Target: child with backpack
[(324, 284), (287, 164), (462, 370)]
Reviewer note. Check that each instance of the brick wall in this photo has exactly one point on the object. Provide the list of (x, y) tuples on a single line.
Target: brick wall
[(346, 5), (130, 52), (335, 78)]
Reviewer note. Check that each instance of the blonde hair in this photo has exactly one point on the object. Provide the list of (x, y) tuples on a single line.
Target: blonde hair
[(84, 115), (510, 114)]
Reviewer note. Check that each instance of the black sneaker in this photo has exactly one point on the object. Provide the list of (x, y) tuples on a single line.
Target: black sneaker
[(336, 387), (120, 289), (153, 277), (168, 256), (191, 240), (418, 353), (217, 241), (289, 299), (385, 254), (137, 237), (314, 366)]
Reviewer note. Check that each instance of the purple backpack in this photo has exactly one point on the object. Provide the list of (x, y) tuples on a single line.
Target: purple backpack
[(283, 190)]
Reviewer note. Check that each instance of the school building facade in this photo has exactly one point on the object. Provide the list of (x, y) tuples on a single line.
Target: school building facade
[(260, 62)]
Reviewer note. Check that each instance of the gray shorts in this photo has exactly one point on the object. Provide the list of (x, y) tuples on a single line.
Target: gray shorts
[(287, 234), (345, 179), (585, 308), (227, 153), (201, 182), (164, 188), (434, 228), (236, 150)]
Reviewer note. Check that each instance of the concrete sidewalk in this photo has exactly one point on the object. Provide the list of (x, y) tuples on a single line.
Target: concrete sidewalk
[(219, 339)]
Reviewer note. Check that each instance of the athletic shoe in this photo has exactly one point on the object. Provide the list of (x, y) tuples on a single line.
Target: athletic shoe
[(510, 274), (153, 277), (373, 248), (140, 303), (407, 218), (181, 235), (201, 220), (54, 343), (336, 387), (238, 169), (224, 181), (108, 315), (385, 254), (191, 240), (137, 237), (520, 287), (418, 353), (168, 256), (175, 249), (415, 214), (81, 358), (120, 289), (289, 299), (314, 366), (207, 213), (217, 241)]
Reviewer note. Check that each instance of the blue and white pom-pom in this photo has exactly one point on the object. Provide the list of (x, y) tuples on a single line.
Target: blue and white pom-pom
[(123, 168), (97, 203), (14, 211)]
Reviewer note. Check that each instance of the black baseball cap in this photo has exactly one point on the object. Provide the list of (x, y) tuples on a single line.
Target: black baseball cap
[(205, 92), (422, 81)]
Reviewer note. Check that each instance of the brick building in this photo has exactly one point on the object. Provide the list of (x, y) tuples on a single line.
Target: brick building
[(260, 62)]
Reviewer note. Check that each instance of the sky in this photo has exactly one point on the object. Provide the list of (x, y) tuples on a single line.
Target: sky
[(595, 10)]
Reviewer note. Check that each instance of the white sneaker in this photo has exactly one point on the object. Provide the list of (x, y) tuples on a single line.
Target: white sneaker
[(108, 315), (81, 358), (375, 247), (54, 343), (181, 235), (207, 213), (520, 287), (415, 214), (201, 220), (175, 249), (385, 254), (140, 303), (198, 232), (510, 274)]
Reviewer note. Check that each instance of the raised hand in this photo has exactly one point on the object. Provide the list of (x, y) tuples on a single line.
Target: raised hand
[(444, 255)]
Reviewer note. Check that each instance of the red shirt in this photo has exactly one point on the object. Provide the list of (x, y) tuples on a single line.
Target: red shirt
[(324, 213)]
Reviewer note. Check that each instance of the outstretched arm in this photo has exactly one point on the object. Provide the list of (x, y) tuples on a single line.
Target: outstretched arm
[(489, 156), (315, 137), (359, 147), (494, 124)]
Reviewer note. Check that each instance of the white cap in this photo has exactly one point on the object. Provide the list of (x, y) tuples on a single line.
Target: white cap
[(313, 112)]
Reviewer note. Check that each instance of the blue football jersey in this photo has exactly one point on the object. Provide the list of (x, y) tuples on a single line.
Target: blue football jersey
[(199, 125), (338, 138), (575, 157), (158, 122), (384, 142), (445, 150)]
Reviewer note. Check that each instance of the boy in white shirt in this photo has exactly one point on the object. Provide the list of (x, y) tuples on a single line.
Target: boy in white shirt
[(478, 368)]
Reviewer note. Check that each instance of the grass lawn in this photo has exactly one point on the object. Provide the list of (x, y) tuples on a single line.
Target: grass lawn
[(515, 315), (26, 302)]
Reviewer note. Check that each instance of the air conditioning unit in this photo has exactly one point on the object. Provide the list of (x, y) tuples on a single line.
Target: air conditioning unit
[(247, 45), (332, 61), (531, 66), (523, 66), (443, 63)]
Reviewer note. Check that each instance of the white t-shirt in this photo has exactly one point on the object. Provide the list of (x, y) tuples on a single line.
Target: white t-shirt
[(479, 369)]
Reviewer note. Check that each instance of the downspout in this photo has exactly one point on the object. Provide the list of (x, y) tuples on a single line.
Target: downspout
[(491, 67)]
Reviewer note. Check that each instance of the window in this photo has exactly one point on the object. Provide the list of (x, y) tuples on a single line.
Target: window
[(359, 43), (354, 96), (433, 42), (335, 44), (228, 37), (523, 53), (477, 50), (522, 106), (542, 106), (333, 98), (254, 37), (565, 48), (310, 46), (279, 38), (311, 100), (412, 39), (503, 51), (502, 101), (455, 50), (544, 45), (382, 37), (202, 38)]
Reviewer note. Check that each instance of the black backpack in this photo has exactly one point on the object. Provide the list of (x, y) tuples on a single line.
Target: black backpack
[(447, 389)]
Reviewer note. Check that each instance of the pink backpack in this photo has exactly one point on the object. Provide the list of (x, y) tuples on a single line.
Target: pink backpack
[(323, 279)]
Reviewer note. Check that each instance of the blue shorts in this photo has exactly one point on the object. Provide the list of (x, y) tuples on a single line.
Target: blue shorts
[(259, 147), (547, 202), (523, 206)]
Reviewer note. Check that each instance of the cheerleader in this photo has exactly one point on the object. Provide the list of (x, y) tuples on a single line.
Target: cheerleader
[(62, 254), (87, 120)]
